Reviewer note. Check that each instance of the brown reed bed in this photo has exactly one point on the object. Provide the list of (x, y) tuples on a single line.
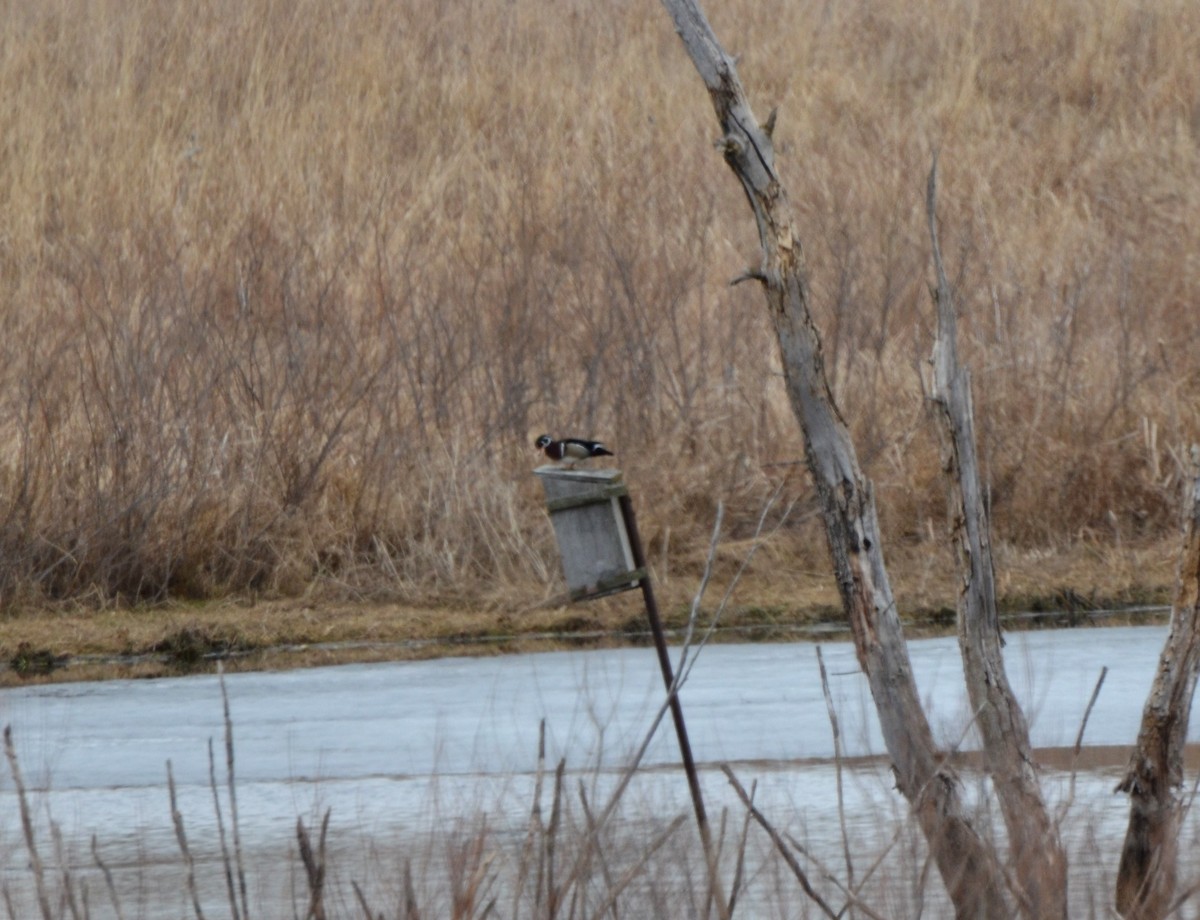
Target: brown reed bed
[(290, 288)]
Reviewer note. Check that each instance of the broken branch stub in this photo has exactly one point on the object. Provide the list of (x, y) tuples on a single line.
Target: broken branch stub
[(1147, 873)]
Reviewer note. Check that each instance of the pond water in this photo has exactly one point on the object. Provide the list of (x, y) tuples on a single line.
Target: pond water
[(397, 749)]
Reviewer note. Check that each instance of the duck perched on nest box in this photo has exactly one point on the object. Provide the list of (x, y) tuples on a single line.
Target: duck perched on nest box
[(570, 451)]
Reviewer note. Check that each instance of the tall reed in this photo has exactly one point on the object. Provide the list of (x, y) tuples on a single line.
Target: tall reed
[(289, 288)]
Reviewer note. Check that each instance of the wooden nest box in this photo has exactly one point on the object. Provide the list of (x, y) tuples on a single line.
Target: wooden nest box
[(590, 525)]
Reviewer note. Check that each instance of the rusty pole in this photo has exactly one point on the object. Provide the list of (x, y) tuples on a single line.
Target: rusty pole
[(668, 674)]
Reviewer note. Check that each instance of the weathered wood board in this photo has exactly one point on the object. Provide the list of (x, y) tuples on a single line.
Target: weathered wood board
[(585, 510)]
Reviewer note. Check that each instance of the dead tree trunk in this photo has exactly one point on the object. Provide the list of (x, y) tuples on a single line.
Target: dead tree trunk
[(1039, 864), (967, 864), (1147, 872)]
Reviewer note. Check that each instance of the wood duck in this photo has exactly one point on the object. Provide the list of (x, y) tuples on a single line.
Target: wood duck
[(569, 451)]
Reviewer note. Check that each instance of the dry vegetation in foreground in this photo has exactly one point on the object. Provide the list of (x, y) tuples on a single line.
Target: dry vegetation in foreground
[(558, 841), (289, 288)]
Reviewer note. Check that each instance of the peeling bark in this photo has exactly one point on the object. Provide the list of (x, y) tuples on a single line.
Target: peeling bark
[(1039, 863), (1146, 876), (967, 864)]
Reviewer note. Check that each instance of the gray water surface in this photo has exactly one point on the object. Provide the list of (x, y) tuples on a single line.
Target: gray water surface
[(397, 746)]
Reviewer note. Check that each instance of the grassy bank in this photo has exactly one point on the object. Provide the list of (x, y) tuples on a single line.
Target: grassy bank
[(290, 288), (82, 642)]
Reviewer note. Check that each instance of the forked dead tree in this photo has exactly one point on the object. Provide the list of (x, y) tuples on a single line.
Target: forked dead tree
[(970, 867), (967, 864)]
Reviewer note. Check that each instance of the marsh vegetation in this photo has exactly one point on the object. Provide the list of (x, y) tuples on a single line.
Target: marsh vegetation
[(289, 287)]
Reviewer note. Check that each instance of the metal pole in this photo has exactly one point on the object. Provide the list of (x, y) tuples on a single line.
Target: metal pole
[(664, 663)]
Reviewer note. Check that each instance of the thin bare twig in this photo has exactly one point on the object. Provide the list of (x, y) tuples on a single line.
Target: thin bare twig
[(837, 761), (232, 789), (639, 866), (552, 892), (718, 850), (1182, 898), (780, 844), (108, 879), (1087, 712), (592, 835), (853, 898), (35, 858), (314, 866), (534, 828), (671, 681), (630, 769), (614, 799), (181, 836), (687, 655), (714, 544), (64, 867), (740, 866), (362, 902), (412, 910), (226, 860), (469, 877)]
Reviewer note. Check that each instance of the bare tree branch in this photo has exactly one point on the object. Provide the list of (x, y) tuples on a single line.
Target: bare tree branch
[(1039, 863)]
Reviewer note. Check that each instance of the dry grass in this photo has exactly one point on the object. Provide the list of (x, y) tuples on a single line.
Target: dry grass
[(289, 288)]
